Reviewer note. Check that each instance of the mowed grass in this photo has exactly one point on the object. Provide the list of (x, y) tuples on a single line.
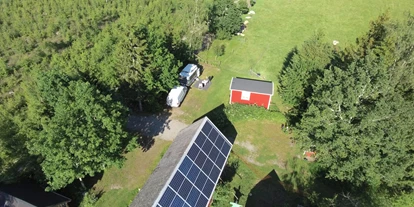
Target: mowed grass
[(277, 27), (280, 25), (120, 185)]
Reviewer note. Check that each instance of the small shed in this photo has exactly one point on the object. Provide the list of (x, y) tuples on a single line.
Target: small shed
[(249, 91)]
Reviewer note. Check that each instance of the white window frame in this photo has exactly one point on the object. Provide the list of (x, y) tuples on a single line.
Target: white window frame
[(245, 95)]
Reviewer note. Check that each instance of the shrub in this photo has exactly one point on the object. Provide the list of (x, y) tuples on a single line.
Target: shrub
[(238, 112), (223, 34), (219, 49), (252, 2), (244, 8), (89, 200)]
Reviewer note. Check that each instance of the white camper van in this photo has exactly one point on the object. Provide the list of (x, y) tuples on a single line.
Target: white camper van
[(176, 96), (189, 74)]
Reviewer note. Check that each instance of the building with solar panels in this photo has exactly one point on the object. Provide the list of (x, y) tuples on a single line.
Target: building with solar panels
[(189, 170)]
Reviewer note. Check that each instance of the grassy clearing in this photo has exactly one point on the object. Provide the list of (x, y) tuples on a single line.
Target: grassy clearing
[(120, 185), (277, 27), (264, 140), (280, 25)]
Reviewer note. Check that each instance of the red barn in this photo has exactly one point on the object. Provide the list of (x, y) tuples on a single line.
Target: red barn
[(248, 91)]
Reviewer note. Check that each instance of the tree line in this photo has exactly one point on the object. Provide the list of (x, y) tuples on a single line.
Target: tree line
[(71, 71), (354, 105)]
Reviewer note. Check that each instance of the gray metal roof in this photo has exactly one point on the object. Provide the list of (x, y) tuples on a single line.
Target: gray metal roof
[(158, 180), (257, 86)]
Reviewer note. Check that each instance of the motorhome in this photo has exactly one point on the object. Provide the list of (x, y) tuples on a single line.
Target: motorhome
[(189, 74), (176, 96)]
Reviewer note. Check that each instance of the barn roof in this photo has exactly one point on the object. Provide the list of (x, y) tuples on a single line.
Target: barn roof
[(161, 178), (256, 86)]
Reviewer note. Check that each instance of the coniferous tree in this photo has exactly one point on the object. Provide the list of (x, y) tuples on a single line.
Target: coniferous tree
[(358, 112)]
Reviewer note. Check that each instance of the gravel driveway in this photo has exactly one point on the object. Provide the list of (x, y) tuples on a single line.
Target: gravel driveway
[(158, 126)]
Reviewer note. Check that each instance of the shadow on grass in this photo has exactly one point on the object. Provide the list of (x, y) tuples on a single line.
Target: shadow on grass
[(308, 182), (271, 192), (230, 170), (147, 126), (220, 119), (76, 192)]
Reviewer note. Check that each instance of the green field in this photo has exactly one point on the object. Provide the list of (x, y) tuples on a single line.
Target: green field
[(119, 186), (277, 27)]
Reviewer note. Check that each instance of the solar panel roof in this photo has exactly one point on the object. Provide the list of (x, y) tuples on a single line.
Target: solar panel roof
[(196, 174)]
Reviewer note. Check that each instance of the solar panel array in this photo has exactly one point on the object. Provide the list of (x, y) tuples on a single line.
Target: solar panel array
[(196, 177)]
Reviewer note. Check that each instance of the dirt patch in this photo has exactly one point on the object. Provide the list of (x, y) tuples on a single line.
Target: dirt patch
[(279, 163), (251, 158), (115, 186), (246, 144), (160, 126)]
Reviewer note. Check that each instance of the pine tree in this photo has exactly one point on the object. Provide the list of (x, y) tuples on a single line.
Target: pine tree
[(359, 115), (303, 68)]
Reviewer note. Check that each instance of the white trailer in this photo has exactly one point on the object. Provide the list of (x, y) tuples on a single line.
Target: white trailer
[(176, 96)]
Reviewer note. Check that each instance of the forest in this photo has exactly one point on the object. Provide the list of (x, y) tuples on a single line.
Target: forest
[(354, 107), (72, 71)]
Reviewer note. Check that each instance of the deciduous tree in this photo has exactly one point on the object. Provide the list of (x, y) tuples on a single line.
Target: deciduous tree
[(359, 112), (80, 132)]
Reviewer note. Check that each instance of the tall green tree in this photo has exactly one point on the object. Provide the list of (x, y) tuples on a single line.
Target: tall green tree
[(302, 68), (361, 130), (225, 19), (13, 151), (80, 131), (128, 49), (359, 111)]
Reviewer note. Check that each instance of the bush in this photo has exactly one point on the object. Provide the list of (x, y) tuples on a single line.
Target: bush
[(223, 34), (89, 200), (244, 9), (252, 2), (219, 49), (237, 112)]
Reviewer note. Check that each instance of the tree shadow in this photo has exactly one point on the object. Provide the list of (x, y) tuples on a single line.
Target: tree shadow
[(237, 194), (288, 60), (147, 126), (230, 170), (206, 43), (90, 181), (58, 46), (220, 119), (76, 192), (308, 182), (270, 192)]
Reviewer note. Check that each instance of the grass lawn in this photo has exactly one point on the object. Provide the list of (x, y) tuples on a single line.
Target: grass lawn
[(277, 27), (120, 185)]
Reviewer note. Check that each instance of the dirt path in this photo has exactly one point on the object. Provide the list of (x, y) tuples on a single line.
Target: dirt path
[(158, 126)]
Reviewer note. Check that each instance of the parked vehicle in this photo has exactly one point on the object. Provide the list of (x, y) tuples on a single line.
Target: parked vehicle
[(176, 96), (189, 74)]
